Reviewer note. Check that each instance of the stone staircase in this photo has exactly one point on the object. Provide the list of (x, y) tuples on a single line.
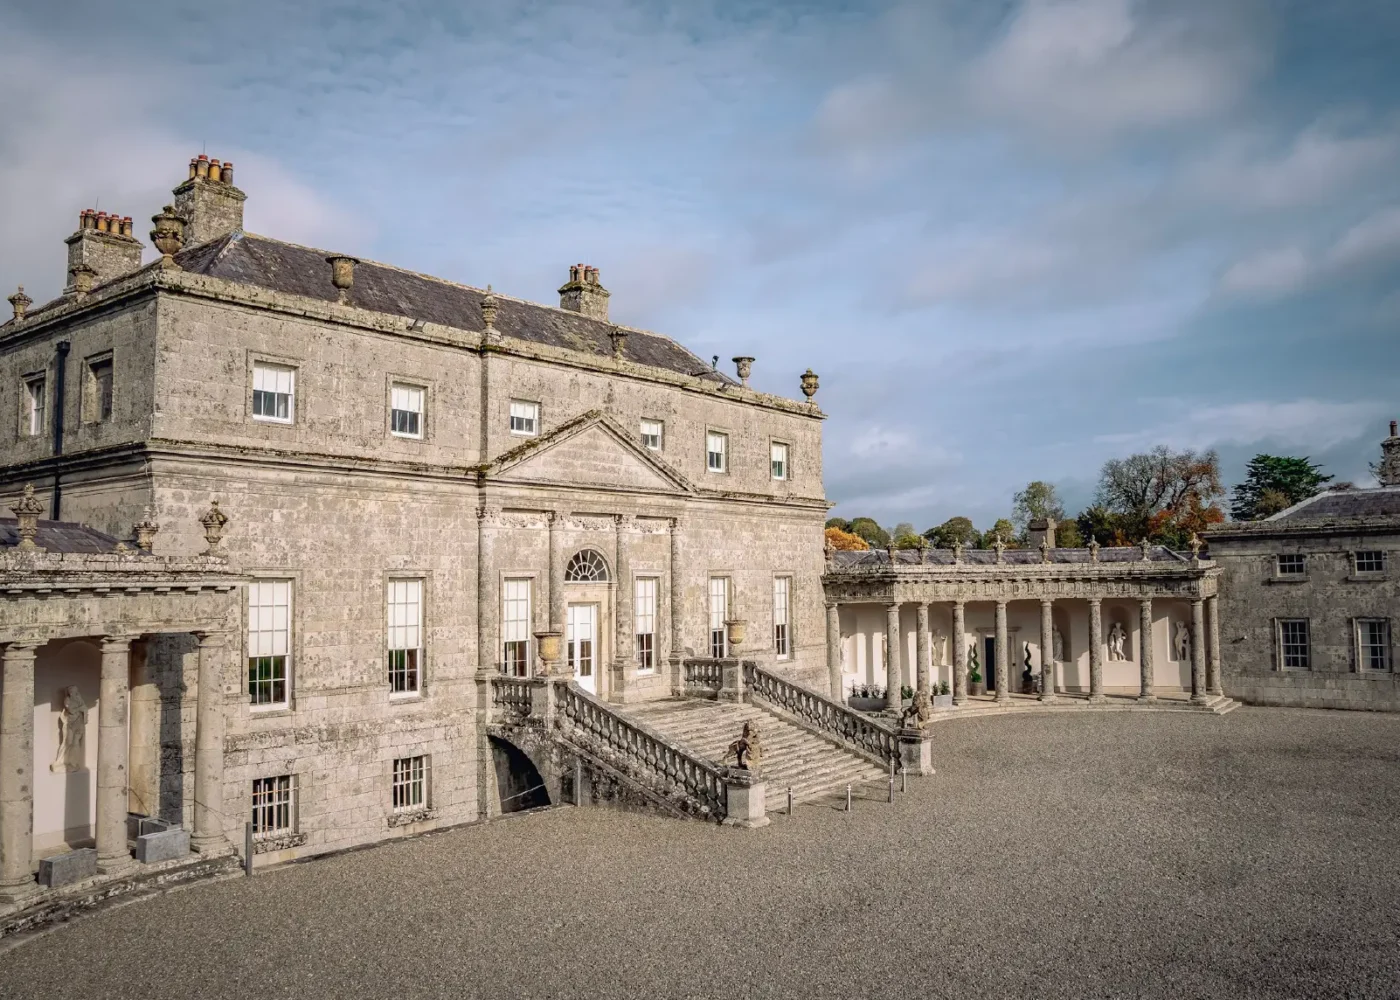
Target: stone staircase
[(792, 755)]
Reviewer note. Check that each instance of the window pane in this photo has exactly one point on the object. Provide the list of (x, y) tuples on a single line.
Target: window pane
[(719, 611), (268, 640), (1370, 562), (651, 434), (515, 626), (779, 461), (1292, 564)]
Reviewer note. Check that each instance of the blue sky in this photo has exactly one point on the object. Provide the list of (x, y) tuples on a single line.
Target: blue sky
[(1014, 239)]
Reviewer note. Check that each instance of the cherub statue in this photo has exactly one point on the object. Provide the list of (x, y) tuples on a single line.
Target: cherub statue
[(72, 732), (746, 750)]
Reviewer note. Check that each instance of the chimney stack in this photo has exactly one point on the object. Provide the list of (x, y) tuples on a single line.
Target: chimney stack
[(1390, 458), (1042, 529), (104, 244), (583, 293), (208, 202)]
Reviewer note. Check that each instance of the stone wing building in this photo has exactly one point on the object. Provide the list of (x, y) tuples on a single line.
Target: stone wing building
[(418, 477), (1311, 594)]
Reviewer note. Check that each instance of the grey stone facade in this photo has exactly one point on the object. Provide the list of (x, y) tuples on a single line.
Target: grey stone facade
[(336, 502), (1309, 598)]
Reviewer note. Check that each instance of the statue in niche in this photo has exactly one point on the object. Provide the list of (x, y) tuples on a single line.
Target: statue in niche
[(1181, 641), (1059, 645), (72, 733), (1117, 638), (936, 647)]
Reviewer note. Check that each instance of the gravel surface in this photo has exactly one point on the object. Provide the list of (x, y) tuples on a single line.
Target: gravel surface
[(1133, 855)]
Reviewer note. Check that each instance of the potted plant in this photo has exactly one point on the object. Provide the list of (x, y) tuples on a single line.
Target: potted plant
[(866, 698), (975, 687), (942, 699), (906, 695)]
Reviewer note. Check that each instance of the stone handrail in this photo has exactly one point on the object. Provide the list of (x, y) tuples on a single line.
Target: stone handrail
[(645, 755), (821, 713), (511, 695), (703, 676)]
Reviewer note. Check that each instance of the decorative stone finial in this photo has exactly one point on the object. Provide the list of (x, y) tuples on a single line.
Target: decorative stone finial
[(619, 342), (1044, 551), (488, 309), (827, 548), (809, 385), (889, 551), (168, 234), (146, 529), (27, 511), (957, 550), (342, 272), (213, 521), (20, 303), (1146, 550), (1195, 547), (84, 277), (744, 366), (1093, 550), (1000, 547)]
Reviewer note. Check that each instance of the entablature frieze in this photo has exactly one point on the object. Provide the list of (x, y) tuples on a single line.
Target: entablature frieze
[(855, 591)]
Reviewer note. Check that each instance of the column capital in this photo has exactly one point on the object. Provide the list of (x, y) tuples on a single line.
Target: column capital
[(25, 650), (1047, 602), (118, 643), (1095, 602), (832, 604), (211, 637)]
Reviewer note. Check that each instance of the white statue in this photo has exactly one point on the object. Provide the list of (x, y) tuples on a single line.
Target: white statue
[(1117, 636), (1181, 639), (72, 731), (1059, 645), (936, 647)]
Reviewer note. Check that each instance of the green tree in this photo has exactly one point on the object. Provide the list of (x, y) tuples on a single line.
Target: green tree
[(903, 528), (955, 529), (1271, 479), (1067, 536), (909, 540), (1100, 524), (869, 529), (839, 523), (1038, 500), (1161, 494), (1005, 529)]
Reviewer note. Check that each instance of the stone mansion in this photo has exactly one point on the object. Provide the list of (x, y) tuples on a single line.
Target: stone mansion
[(316, 551)]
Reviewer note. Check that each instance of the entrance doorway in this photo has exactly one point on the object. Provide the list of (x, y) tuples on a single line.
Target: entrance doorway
[(989, 659), (582, 645)]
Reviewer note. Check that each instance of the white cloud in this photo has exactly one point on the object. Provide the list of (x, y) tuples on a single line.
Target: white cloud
[(1374, 239), (1091, 66), (1358, 252), (1303, 423), (1268, 273)]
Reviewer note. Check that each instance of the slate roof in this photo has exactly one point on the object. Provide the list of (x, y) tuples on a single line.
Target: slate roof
[(1342, 505), (297, 270), (59, 536), (841, 560)]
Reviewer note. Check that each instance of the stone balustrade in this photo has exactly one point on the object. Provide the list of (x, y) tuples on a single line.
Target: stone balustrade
[(855, 730)]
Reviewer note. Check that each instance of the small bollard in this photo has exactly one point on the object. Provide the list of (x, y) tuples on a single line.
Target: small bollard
[(789, 800), (903, 781), (848, 798), (891, 789), (248, 849), (578, 782)]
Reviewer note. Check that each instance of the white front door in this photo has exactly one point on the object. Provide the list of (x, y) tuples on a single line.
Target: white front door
[(582, 645)]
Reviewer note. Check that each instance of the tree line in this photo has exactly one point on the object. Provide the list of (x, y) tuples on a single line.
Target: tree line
[(1162, 495)]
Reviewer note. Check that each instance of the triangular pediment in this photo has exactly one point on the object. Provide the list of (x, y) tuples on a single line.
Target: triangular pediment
[(589, 451)]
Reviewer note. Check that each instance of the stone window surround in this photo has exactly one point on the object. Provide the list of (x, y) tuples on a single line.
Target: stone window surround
[(1278, 576), (660, 433), (27, 381), (656, 578), (727, 456), (791, 579), (1381, 672), (424, 578), (294, 644), (91, 406), (425, 386), (1369, 574), (1278, 645), (256, 358)]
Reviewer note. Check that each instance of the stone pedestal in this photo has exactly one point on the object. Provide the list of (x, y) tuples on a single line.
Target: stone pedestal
[(915, 750), (731, 684), (544, 699), (744, 793), (63, 869)]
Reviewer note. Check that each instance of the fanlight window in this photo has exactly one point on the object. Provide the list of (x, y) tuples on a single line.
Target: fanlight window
[(586, 566)]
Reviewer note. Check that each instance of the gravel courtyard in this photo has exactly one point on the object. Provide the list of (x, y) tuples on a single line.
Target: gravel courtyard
[(1142, 855)]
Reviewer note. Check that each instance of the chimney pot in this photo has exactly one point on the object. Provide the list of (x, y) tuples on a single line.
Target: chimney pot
[(202, 166), (194, 165), (1393, 425), (228, 172), (215, 171)]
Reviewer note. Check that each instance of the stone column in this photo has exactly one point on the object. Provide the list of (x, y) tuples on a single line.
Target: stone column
[(1096, 694), (893, 679), (208, 836), (1213, 686), (143, 757), (113, 857), (833, 650), (17, 774), (1047, 650), (556, 570), (959, 641), (486, 655), (677, 607), (624, 656), (922, 644), (1003, 644), (1145, 648), (1198, 652)]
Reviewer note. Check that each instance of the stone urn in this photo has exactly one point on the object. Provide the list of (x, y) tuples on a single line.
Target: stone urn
[(550, 644), (735, 631)]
